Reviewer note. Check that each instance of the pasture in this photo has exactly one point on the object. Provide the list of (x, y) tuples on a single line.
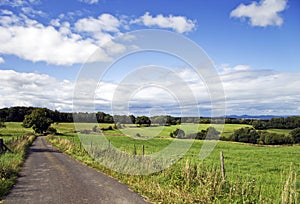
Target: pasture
[(254, 174), (264, 169)]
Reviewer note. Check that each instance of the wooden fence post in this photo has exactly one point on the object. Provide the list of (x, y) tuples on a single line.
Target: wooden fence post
[(134, 149), (3, 147), (222, 166), (143, 150)]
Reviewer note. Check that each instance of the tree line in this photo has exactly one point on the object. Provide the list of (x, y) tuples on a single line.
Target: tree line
[(18, 113), (291, 122)]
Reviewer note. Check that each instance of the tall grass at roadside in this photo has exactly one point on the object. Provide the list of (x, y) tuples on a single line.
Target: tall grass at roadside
[(189, 181), (11, 162)]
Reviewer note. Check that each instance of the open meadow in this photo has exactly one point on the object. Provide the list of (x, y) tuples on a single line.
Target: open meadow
[(254, 173)]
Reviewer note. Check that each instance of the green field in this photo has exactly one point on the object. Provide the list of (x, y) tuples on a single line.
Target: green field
[(266, 168), (254, 174)]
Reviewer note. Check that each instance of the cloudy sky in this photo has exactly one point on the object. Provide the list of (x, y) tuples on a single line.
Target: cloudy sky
[(253, 45)]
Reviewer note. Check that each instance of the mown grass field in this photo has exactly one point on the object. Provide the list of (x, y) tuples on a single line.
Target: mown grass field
[(257, 174)]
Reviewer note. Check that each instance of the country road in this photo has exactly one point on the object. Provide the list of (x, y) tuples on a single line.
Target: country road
[(49, 176)]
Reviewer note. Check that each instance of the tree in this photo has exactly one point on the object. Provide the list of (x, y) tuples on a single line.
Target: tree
[(247, 135), (38, 120), (2, 124), (260, 124), (295, 134), (178, 133), (269, 138), (143, 120), (209, 134), (212, 133)]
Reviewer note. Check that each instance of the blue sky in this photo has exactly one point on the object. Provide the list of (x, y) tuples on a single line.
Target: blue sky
[(253, 45)]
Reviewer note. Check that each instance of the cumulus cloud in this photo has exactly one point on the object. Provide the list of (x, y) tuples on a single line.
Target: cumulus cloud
[(260, 92), (64, 42), (31, 40), (180, 24), (32, 89), (89, 1), (265, 13), (104, 22), (253, 92)]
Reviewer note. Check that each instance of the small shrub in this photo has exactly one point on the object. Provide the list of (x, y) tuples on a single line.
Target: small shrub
[(2, 124), (178, 133), (295, 135), (274, 139), (51, 130), (246, 135)]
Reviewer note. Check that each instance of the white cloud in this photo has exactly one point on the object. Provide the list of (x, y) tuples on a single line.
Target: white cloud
[(1, 60), (179, 24), (18, 3), (264, 13), (31, 40), (89, 1), (32, 89), (29, 11), (63, 42), (259, 92), (105, 22), (253, 92)]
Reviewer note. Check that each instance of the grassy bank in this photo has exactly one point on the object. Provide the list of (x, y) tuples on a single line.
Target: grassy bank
[(18, 140)]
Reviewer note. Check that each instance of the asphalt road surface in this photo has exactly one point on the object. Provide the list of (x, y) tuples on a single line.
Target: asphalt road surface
[(49, 176)]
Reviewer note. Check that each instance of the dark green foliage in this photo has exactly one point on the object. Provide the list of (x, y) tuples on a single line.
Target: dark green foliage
[(178, 133), (268, 138), (143, 121), (246, 135), (124, 119), (104, 118), (295, 135), (18, 113), (2, 124), (51, 130), (166, 120), (38, 120), (209, 134), (260, 124), (291, 122)]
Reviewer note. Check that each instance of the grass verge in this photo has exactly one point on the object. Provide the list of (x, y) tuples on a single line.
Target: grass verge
[(11, 163), (188, 181)]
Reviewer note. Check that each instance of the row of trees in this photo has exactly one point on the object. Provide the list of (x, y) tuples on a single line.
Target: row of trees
[(245, 135), (251, 135), (17, 114), (279, 123)]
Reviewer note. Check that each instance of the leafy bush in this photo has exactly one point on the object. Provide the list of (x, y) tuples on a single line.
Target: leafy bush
[(295, 135), (178, 133), (274, 139), (51, 130), (210, 134), (2, 124), (246, 135)]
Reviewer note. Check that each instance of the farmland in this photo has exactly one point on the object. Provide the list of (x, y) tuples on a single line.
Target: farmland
[(260, 171), (254, 174)]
